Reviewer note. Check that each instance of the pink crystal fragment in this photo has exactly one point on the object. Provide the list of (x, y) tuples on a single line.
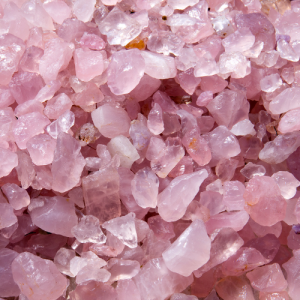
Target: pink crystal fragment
[(270, 83), (183, 297), (57, 106), (233, 195), (58, 10), (38, 278), (213, 201), (61, 125), (92, 41), (17, 197), (155, 121), (204, 98), (83, 10), (162, 229), (127, 289), (239, 41), (274, 296), (287, 183), (63, 259), (289, 122), (28, 107), (122, 269), (31, 59), (48, 91), (267, 278)]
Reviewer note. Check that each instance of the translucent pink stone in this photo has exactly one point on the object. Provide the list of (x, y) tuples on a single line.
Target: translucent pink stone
[(28, 107), (48, 91), (204, 98), (12, 49), (27, 126), (155, 121), (124, 229), (286, 51), (287, 183), (184, 166), (155, 281), (188, 81), (239, 41), (234, 288), (38, 278), (54, 214), (7, 122), (127, 289), (56, 58), (263, 195), (58, 11), (25, 169), (101, 190), (162, 229), (159, 66), (57, 106), (111, 121), (92, 41), (267, 278), (139, 133), (261, 231), (41, 149), (62, 260), (183, 297), (251, 170), (61, 125), (31, 59), (122, 269), (144, 188), (8, 287), (6, 97), (233, 195), (67, 161), (16, 196), (171, 204), (84, 10), (270, 83), (183, 255), (156, 145), (213, 201), (274, 296)]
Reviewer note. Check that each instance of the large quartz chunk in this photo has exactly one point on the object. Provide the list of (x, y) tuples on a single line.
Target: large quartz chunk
[(122, 146), (101, 194), (62, 124), (67, 164), (174, 200), (229, 107), (158, 65), (56, 58), (156, 282), (11, 50), (53, 214), (8, 161), (119, 28), (239, 41), (144, 188), (127, 289), (17, 197), (155, 121), (8, 287), (287, 183), (58, 11), (125, 71), (190, 251), (280, 148), (27, 126), (63, 259), (84, 10), (290, 121), (122, 269), (88, 230), (38, 278), (7, 217), (124, 229), (111, 121), (264, 202)]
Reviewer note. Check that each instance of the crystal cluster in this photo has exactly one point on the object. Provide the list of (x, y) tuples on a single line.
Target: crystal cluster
[(150, 149)]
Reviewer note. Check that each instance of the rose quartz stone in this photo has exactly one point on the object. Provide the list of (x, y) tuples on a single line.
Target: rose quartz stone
[(58, 11), (155, 121), (48, 91), (233, 195), (38, 278), (267, 278), (125, 71), (67, 160), (213, 201), (16, 196), (183, 255), (144, 188), (88, 64), (6, 97), (155, 281), (264, 202), (127, 287), (239, 41), (62, 260), (28, 107), (54, 214), (57, 106), (171, 203), (274, 296), (111, 121), (9, 160), (92, 41), (90, 95), (287, 183), (83, 10), (162, 229), (289, 122), (122, 269), (139, 133), (56, 58)]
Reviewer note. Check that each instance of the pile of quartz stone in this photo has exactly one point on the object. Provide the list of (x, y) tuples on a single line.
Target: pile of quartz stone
[(149, 149)]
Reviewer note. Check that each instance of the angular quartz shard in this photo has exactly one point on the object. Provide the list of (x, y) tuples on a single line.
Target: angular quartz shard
[(8, 161), (124, 229), (229, 108), (27, 126), (17, 197), (88, 230), (225, 244), (38, 278), (53, 214), (48, 91), (125, 71), (57, 106), (122, 269), (274, 296), (231, 288), (239, 41), (58, 11), (159, 66), (223, 144), (278, 150), (288, 99), (119, 28), (187, 59), (41, 149), (174, 200), (287, 183), (155, 121), (179, 296), (92, 41), (56, 58), (84, 10), (267, 279), (290, 121), (286, 51), (67, 164), (213, 201), (264, 202), (162, 229), (155, 281), (270, 83), (188, 81), (122, 146), (167, 158), (182, 4), (6, 98), (29, 107), (31, 59), (8, 287), (244, 127), (127, 289), (7, 123), (144, 187), (88, 64), (63, 259), (233, 195), (101, 194), (139, 133), (92, 272), (11, 49), (251, 170), (111, 121), (190, 251)]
